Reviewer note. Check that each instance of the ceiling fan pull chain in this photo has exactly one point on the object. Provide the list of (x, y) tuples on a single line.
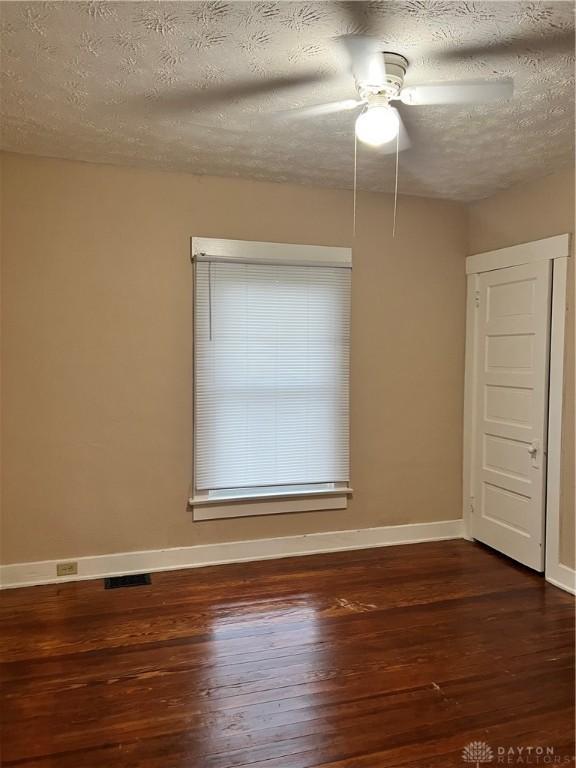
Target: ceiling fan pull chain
[(355, 176), (396, 186)]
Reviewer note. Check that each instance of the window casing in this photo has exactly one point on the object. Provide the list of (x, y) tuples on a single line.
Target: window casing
[(271, 377)]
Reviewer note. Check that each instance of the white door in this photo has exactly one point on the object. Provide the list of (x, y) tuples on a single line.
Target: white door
[(511, 401)]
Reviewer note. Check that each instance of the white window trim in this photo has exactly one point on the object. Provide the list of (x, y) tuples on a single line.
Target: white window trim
[(205, 507), (255, 507), (203, 497), (276, 253)]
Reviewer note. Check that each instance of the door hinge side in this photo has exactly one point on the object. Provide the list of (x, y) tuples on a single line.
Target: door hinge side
[(471, 505), (477, 299)]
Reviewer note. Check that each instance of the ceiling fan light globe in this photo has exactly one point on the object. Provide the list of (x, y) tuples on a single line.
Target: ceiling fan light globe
[(377, 126)]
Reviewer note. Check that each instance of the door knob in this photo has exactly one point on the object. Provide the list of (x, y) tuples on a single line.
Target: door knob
[(533, 449)]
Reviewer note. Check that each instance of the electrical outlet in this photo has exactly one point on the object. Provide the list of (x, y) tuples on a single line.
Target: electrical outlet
[(66, 569)]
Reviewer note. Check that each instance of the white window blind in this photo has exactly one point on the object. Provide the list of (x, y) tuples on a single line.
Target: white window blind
[(271, 365)]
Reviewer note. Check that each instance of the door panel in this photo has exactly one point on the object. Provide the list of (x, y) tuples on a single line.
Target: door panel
[(513, 329)]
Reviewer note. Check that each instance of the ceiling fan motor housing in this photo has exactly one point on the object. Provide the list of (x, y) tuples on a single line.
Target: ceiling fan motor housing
[(396, 66)]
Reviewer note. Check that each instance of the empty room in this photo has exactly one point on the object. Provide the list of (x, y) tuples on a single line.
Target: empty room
[(287, 384)]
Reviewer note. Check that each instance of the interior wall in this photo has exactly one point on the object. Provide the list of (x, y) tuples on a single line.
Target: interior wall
[(526, 212), (97, 339)]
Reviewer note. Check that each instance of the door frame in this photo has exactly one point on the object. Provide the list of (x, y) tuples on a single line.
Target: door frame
[(557, 249)]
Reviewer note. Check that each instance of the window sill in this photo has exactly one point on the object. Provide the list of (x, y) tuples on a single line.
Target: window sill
[(269, 504), (202, 500)]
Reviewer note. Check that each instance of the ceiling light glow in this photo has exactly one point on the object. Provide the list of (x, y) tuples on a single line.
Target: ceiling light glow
[(377, 125)]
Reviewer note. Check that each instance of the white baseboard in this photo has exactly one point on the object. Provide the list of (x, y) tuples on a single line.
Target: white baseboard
[(99, 566), (562, 576)]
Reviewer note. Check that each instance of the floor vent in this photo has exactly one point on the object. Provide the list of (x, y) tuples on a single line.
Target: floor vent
[(133, 580)]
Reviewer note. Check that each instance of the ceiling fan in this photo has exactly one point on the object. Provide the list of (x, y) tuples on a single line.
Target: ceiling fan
[(379, 79)]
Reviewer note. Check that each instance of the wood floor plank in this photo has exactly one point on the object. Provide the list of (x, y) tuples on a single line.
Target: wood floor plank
[(385, 657)]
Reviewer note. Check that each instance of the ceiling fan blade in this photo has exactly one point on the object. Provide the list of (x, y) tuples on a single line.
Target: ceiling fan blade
[(191, 99), (551, 44), (457, 92), (356, 15), (366, 59), (403, 139), (317, 110)]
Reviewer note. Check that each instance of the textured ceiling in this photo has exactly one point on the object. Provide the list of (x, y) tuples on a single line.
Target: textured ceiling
[(132, 83)]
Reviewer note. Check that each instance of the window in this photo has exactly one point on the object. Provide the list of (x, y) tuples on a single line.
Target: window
[(271, 359)]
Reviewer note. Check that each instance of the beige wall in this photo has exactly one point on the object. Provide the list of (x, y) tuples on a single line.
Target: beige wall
[(527, 212), (97, 341)]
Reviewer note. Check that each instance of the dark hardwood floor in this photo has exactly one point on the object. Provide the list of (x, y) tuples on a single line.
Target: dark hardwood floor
[(398, 656)]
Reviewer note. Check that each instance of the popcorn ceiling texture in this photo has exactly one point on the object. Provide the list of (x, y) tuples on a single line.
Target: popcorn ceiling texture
[(127, 83)]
